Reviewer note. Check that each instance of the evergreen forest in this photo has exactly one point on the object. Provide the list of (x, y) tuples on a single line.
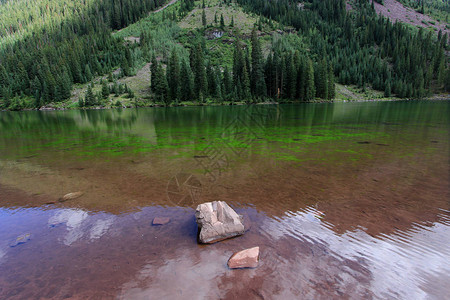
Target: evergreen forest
[(108, 53)]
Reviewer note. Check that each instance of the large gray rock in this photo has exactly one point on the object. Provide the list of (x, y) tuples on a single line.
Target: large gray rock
[(217, 221)]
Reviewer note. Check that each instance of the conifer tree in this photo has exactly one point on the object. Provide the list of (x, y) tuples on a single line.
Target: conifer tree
[(36, 90), (245, 84), (257, 82), (4, 80), (387, 89), (227, 83), (87, 73), (310, 90), (203, 18), (105, 90), (186, 82), (198, 67), (331, 81), (173, 75), (222, 22), (153, 67), (321, 79), (161, 86), (291, 77), (89, 98), (238, 63)]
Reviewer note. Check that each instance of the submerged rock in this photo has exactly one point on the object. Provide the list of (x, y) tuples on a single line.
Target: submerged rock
[(160, 220), (71, 196), (247, 258), (21, 239), (217, 221)]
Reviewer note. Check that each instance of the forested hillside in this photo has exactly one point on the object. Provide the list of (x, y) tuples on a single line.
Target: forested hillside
[(210, 51), (53, 54)]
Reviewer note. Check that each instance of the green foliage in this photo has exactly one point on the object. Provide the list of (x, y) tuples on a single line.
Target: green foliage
[(173, 76), (105, 90), (222, 22), (258, 85), (89, 98), (322, 44), (203, 18), (44, 59)]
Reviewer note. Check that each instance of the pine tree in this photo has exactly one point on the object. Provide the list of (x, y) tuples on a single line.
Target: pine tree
[(222, 22), (227, 83), (238, 63), (80, 102), (232, 22), (173, 76), (4, 80), (125, 67), (89, 98), (153, 68), (310, 90), (441, 71), (429, 76), (257, 82), (198, 67), (387, 89), (321, 80), (36, 90), (212, 81), (245, 84), (186, 82), (215, 17), (331, 85), (161, 86), (115, 89), (105, 90), (87, 73), (21, 81), (203, 18), (447, 80)]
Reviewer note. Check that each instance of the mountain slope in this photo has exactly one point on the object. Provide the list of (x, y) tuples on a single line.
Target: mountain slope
[(396, 11), (221, 51)]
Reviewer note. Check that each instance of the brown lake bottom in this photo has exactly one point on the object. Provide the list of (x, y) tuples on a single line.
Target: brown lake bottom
[(339, 209)]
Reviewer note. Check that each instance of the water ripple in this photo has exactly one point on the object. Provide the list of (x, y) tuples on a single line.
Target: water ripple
[(401, 264)]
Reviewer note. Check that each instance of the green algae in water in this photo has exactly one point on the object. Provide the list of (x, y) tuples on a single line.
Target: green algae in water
[(297, 133)]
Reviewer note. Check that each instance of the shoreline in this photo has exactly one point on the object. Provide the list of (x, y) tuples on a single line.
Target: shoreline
[(196, 104)]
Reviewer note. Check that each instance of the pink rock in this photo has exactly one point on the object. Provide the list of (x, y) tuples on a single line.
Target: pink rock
[(247, 258), (160, 220)]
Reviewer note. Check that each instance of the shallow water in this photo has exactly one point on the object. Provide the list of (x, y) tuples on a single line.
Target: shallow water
[(345, 200)]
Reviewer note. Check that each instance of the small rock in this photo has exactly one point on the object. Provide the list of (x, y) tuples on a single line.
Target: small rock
[(247, 258), (71, 196), (160, 221), (217, 221), (21, 239)]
